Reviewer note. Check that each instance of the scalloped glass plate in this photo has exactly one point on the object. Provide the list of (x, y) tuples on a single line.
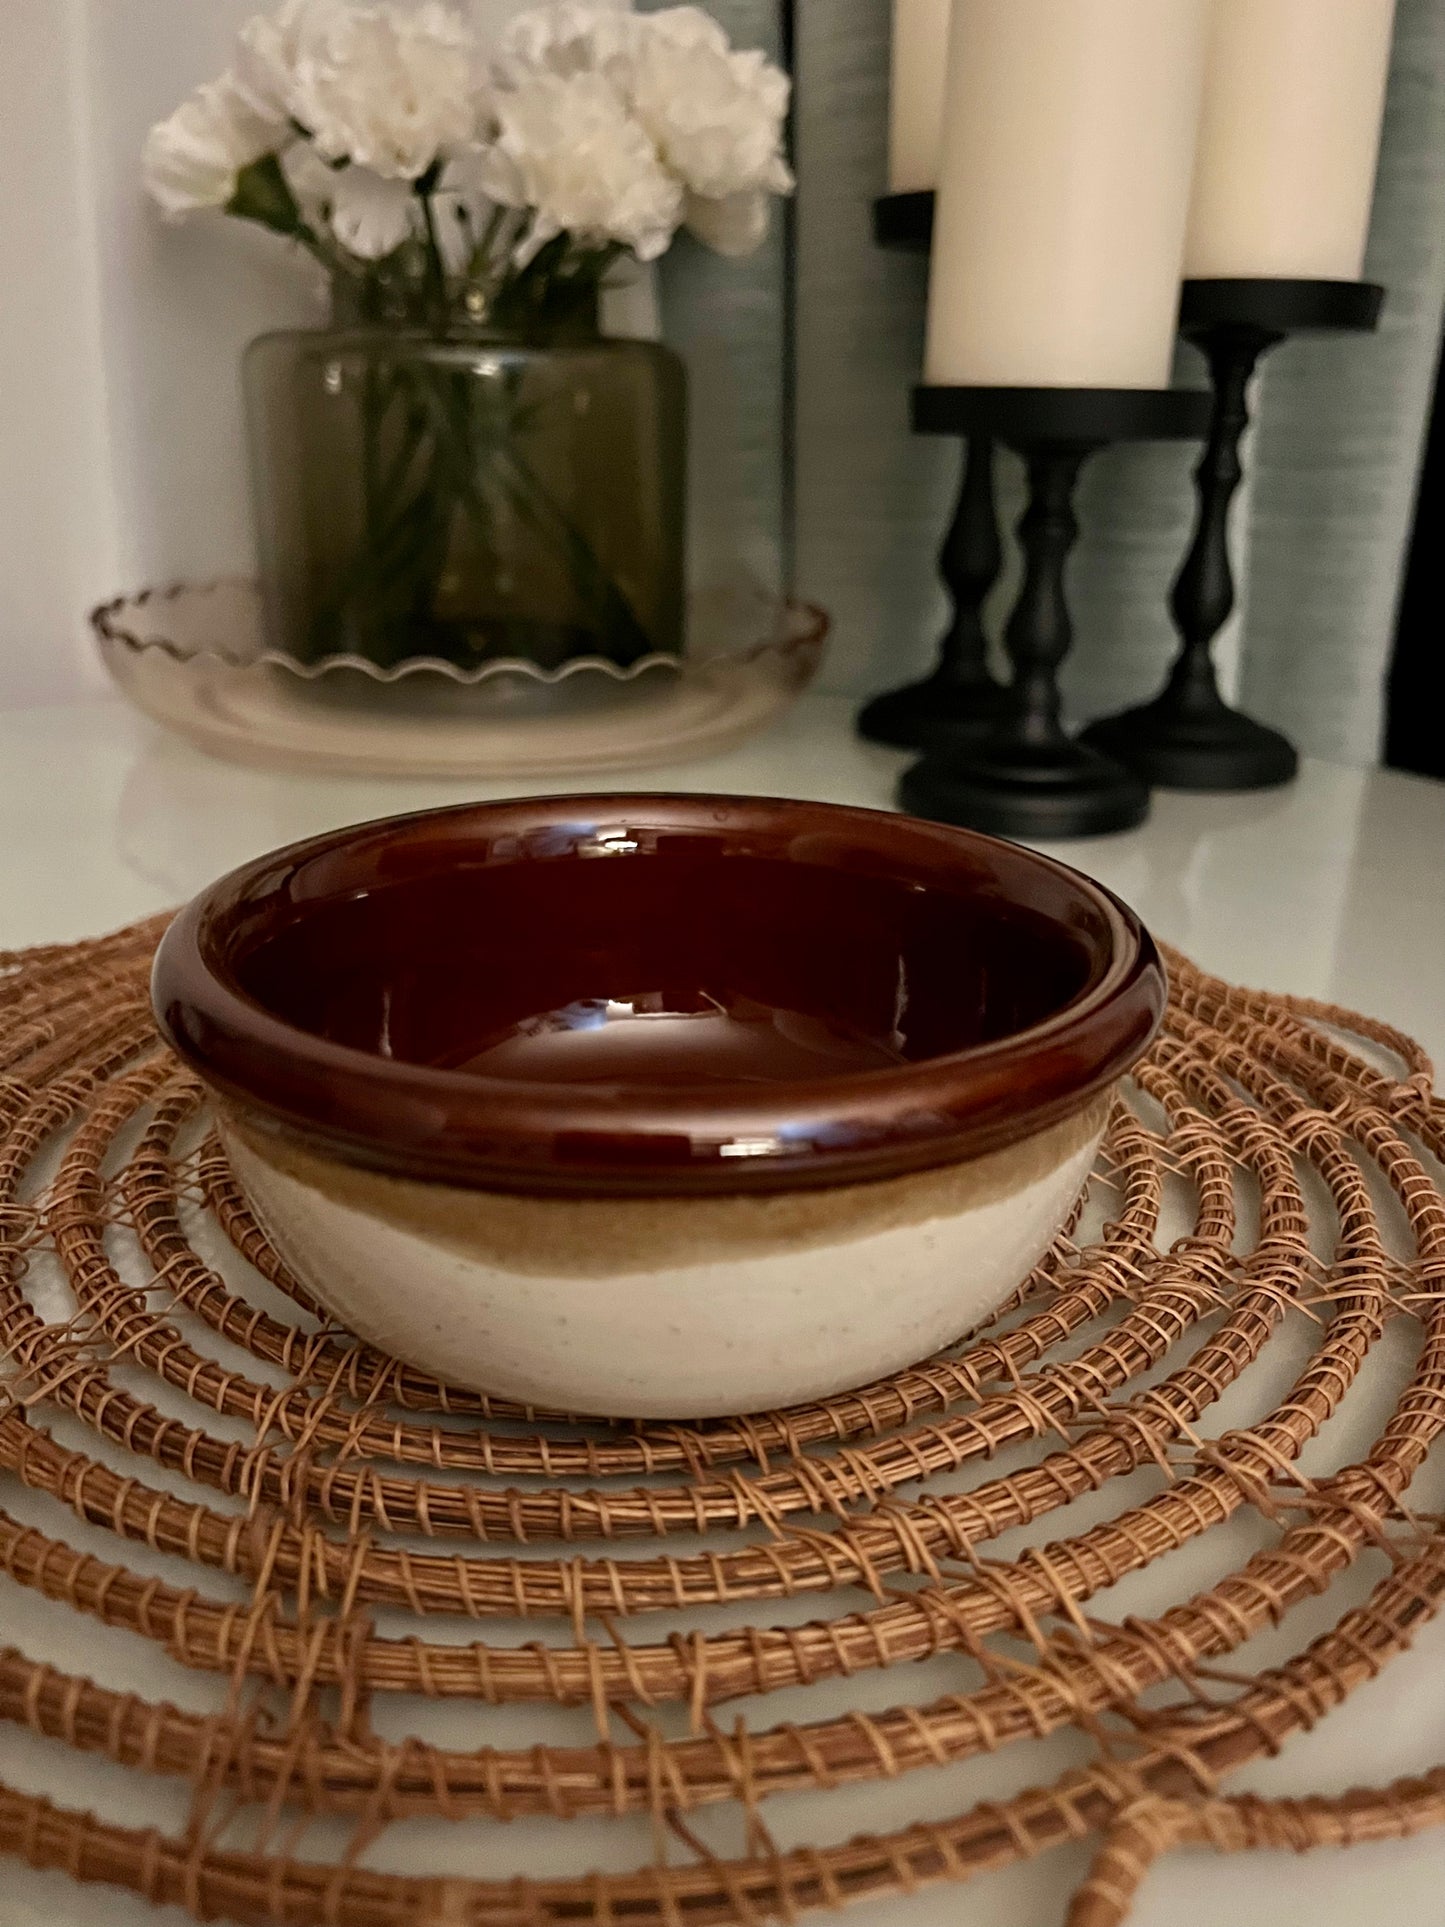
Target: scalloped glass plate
[(193, 657)]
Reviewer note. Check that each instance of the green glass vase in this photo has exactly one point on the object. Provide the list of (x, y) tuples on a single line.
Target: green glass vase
[(468, 499)]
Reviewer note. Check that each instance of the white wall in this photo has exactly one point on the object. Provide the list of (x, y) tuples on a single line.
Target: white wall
[(120, 451), (178, 303), (57, 541)]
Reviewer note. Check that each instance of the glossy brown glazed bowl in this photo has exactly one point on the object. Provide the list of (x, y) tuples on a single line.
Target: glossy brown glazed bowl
[(656, 1104)]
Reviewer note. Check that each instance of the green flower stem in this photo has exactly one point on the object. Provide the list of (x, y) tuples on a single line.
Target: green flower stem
[(436, 274), (529, 494), (615, 615)]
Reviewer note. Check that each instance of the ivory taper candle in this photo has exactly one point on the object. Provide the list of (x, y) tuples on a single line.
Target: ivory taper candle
[(1068, 152), (915, 101), (1294, 92)]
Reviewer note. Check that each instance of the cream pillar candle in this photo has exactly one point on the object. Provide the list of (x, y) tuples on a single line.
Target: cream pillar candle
[(1294, 93), (915, 102), (1068, 153)]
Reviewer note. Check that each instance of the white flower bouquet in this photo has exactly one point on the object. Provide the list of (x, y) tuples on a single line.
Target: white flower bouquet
[(433, 183), (417, 495)]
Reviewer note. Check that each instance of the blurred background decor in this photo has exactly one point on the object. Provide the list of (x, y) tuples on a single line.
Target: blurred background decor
[(1322, 524), (125, 457), (1288, 100), (1064, 162), (461, 469), (124, 461)]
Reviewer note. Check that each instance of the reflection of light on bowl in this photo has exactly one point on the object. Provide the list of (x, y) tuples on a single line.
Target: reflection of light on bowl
[(194, 659), (660, 1106)]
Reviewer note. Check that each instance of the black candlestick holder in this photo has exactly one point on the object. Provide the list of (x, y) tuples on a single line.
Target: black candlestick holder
[(1189, 738), (961, 691), (1026, 777), (905, 221)]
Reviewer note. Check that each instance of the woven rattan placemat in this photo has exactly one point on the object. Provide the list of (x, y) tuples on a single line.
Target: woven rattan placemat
[(335, 1545)]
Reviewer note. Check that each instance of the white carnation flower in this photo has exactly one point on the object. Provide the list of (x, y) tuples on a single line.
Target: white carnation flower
[(570, 37), (371, 214), (191, 160), (715, 115), (567, 148), (268, 48), (386, 88), (734, 224)]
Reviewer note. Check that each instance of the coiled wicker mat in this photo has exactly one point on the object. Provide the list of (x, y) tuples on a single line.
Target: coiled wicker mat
[(354, 1533)]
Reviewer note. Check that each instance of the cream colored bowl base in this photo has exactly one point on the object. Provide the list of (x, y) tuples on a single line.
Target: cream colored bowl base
[(673, 1307)]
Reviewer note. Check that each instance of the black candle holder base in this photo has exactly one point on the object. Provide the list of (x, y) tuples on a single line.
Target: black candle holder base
[(1026, 777), (1055, 790), (1189, 738), (1215, 748), (960, 689), (906, 718)]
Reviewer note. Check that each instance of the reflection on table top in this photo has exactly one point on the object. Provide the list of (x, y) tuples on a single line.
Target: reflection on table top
[(1332, 888)]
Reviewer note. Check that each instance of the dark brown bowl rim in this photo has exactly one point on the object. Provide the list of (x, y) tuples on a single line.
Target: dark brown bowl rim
[(412, 1121)]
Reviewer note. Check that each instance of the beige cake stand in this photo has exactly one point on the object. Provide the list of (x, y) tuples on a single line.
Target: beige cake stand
[(194, 659)]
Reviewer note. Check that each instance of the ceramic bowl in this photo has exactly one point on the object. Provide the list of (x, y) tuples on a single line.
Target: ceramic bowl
[(659, 1106)]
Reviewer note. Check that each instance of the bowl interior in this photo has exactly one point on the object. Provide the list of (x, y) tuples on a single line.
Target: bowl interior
[(662, 954)]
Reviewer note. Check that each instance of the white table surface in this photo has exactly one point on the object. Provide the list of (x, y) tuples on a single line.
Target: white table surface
[(1334, 888)]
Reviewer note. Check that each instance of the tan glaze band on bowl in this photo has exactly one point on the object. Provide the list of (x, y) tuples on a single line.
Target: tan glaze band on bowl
[(858, 995), (604, 1238)]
